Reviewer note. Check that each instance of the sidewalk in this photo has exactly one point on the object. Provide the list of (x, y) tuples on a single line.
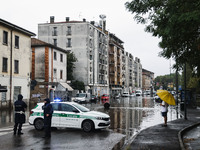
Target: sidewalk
[(166, 138)]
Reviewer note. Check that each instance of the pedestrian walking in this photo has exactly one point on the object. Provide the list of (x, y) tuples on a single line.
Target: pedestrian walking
[(164, 110), (48, 111), (20, 117)]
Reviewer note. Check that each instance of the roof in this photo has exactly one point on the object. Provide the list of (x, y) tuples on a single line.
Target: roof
[(38, 43), (65, 85), (17, 28)]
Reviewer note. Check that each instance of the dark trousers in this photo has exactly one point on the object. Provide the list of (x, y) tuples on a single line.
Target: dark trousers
[(19, 125), (47, 126)]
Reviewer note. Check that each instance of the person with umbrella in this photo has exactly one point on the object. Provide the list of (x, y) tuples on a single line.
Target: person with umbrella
[(164, 110), (168, 99)]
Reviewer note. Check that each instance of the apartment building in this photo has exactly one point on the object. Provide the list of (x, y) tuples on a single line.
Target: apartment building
[(138, 73), (147, 79), (15, 64), (49, 69), (89, 43), (116, 64), (130, 75)]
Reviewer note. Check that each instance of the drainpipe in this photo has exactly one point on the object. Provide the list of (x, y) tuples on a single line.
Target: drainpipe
[(11, 51)]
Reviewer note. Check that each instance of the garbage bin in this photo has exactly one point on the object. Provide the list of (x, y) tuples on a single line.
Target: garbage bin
[(182, 106)]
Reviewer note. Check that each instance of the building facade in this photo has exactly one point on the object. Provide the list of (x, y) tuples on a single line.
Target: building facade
[(15, 64), (89, 45), (147, 80), (116, 65), (49, 69), (138, 73)]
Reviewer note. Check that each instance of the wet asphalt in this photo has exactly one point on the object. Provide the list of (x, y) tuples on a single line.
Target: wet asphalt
[(136, 123), (180, 134)]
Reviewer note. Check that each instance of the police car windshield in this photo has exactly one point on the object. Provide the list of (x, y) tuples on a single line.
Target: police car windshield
[(81, 108)]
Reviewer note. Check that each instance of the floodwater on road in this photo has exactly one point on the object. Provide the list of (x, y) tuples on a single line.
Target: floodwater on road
[(128, 115)]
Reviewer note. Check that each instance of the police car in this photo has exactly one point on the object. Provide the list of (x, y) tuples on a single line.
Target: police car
[(70, 115)]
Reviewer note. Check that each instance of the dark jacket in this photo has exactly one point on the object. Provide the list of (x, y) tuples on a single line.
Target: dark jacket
[(19, 110), (48, 109)]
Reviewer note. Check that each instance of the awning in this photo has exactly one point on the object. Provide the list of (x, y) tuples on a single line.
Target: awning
[(67, 86)]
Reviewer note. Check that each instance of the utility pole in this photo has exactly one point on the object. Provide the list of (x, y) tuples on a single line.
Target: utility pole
[(185, 109)]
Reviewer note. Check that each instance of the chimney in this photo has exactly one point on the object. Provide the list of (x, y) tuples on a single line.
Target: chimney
[(84, 20), (51, 19), (104, 25), (67, 19)]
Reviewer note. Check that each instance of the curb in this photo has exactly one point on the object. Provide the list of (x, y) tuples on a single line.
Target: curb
[(181, 132)]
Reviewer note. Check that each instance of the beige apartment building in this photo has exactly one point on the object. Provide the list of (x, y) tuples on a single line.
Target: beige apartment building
[(15, 62)]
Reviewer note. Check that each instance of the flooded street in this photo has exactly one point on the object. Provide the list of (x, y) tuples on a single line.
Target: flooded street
[(129, 115)]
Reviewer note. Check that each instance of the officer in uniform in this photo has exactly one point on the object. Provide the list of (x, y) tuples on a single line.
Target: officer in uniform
[(48, 111), (20, 107)]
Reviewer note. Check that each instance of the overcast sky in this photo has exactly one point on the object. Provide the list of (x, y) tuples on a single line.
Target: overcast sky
[(29, 13)]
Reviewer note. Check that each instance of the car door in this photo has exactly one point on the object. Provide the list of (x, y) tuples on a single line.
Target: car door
[(56, 115), (69, 117)]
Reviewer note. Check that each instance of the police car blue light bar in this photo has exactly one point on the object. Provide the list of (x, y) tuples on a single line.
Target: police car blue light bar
[(57, 100)]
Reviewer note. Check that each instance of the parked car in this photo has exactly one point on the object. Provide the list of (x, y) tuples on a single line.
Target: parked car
[(82, 98), (138, 92), (70, 115), (93, 99), (125, 94)]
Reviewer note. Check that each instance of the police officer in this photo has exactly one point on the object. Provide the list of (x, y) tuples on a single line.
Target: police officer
[(20, 107), (48, 111)]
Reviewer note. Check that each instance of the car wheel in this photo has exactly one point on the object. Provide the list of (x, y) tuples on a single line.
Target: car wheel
[(39, 124), (87, 126)]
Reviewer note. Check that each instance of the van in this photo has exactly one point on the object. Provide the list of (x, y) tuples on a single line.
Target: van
[(82, 97)]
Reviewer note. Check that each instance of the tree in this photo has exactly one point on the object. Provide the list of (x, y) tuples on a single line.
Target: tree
[(70, 65), (177, 23), (79, 85), (165, 80)]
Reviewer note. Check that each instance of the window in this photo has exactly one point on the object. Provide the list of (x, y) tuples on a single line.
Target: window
[(16, 63), (16, 41), (61, 57), (56, 106), (5, 37), (54, 73), (54, 33), (90, 57), (69, 108), (5, 65), (69, 42), (3, 96), (55, 56), (69, 30), (61, 74), (55, 42)]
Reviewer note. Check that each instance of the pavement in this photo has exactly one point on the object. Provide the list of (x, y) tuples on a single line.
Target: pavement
[(170, 137)]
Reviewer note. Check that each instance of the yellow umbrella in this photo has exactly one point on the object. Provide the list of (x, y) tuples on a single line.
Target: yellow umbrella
[(166, 96)]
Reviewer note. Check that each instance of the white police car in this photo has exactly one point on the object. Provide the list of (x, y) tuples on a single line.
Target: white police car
[(70, 115)]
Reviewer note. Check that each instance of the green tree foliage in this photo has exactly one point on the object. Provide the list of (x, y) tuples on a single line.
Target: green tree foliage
[(70, 65), (78, 85), (192, 81), (165, 80), (176, 23)]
